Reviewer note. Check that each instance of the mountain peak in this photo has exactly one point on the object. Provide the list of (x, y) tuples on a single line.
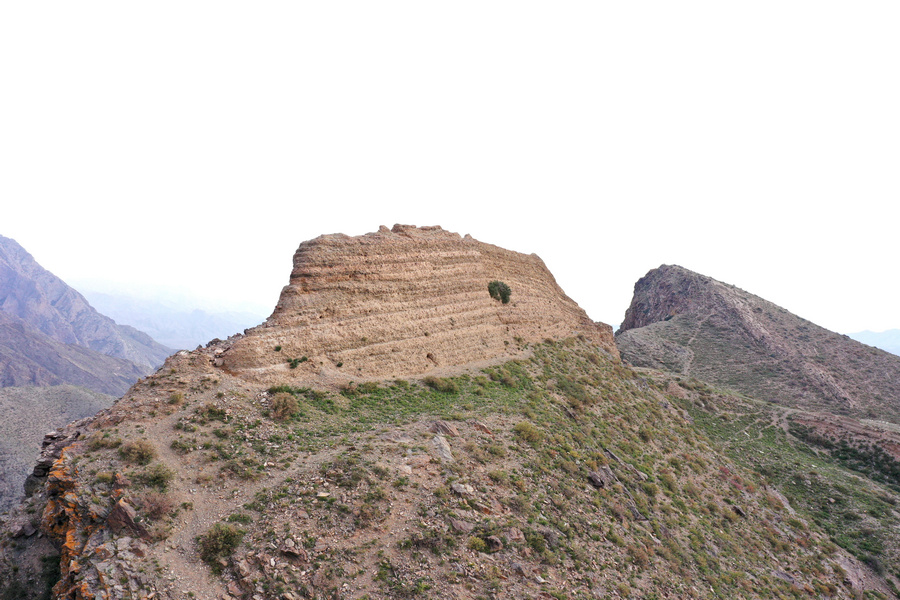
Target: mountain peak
[(689, 323)]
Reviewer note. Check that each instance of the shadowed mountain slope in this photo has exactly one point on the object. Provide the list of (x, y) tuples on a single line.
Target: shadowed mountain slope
[(687, 323), (30, 358), (51, 336)]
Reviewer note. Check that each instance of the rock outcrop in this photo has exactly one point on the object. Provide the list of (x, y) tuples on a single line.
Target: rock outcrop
[(403, 302), (688, 323)]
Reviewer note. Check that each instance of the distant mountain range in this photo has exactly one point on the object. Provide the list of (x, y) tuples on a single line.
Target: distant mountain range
[(51, 335), (170, 324), (888, 341)]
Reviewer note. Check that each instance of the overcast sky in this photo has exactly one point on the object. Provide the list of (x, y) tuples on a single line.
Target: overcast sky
[(196, 144)]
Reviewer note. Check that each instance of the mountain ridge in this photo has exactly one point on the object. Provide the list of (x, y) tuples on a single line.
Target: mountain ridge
[(676, 313), (34, 295)]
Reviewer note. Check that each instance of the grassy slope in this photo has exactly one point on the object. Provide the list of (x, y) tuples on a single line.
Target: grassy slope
[(380, 518), (837, 494)]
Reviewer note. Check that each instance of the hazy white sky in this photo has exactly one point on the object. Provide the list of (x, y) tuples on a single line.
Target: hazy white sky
[(196, 144)]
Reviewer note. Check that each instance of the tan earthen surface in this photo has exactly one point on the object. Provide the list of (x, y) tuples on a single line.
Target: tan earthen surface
[(404, 302)]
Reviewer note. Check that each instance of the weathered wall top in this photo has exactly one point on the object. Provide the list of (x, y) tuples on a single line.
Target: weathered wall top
[(405, 301)]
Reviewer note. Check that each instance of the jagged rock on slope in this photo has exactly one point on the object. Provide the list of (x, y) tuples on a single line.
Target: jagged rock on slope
[(35, 296), (688, 323), (352, 497), (403, 302)]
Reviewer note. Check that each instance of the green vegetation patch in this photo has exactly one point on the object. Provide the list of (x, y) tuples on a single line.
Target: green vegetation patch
[(220, 541)]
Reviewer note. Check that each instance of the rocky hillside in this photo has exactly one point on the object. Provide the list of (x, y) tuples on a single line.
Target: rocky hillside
[(40, 304), (813, 411), (305, 460), (687, 323)]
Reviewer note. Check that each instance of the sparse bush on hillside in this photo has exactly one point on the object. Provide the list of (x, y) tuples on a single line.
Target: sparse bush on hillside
[(528, 433), (499, 291), (441, 384), (219, 542), (156, 505), (98, 441), (211, 412), (293, 362), (156, 475), (284, 406), (139, 452)]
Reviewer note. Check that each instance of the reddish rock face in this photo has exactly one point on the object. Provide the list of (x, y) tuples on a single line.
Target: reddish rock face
[(403, 302), (121, 520)]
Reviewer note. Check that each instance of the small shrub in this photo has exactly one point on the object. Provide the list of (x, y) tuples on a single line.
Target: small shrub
[(139, 452), (639, 556), (277, 348), (182, 446), (156, 505), (247, 468), (436, 541), (499, 476), (211, 412), (219, 542), (98, 441), (499, 291), (368, 387), (496, 450), (156, 475), (528, 433), (651, 489), (477, 544), (240, 518), (284, 406), (441, 384)]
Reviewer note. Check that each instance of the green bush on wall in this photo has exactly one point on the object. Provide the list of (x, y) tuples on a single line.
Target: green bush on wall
[(499, 291)]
